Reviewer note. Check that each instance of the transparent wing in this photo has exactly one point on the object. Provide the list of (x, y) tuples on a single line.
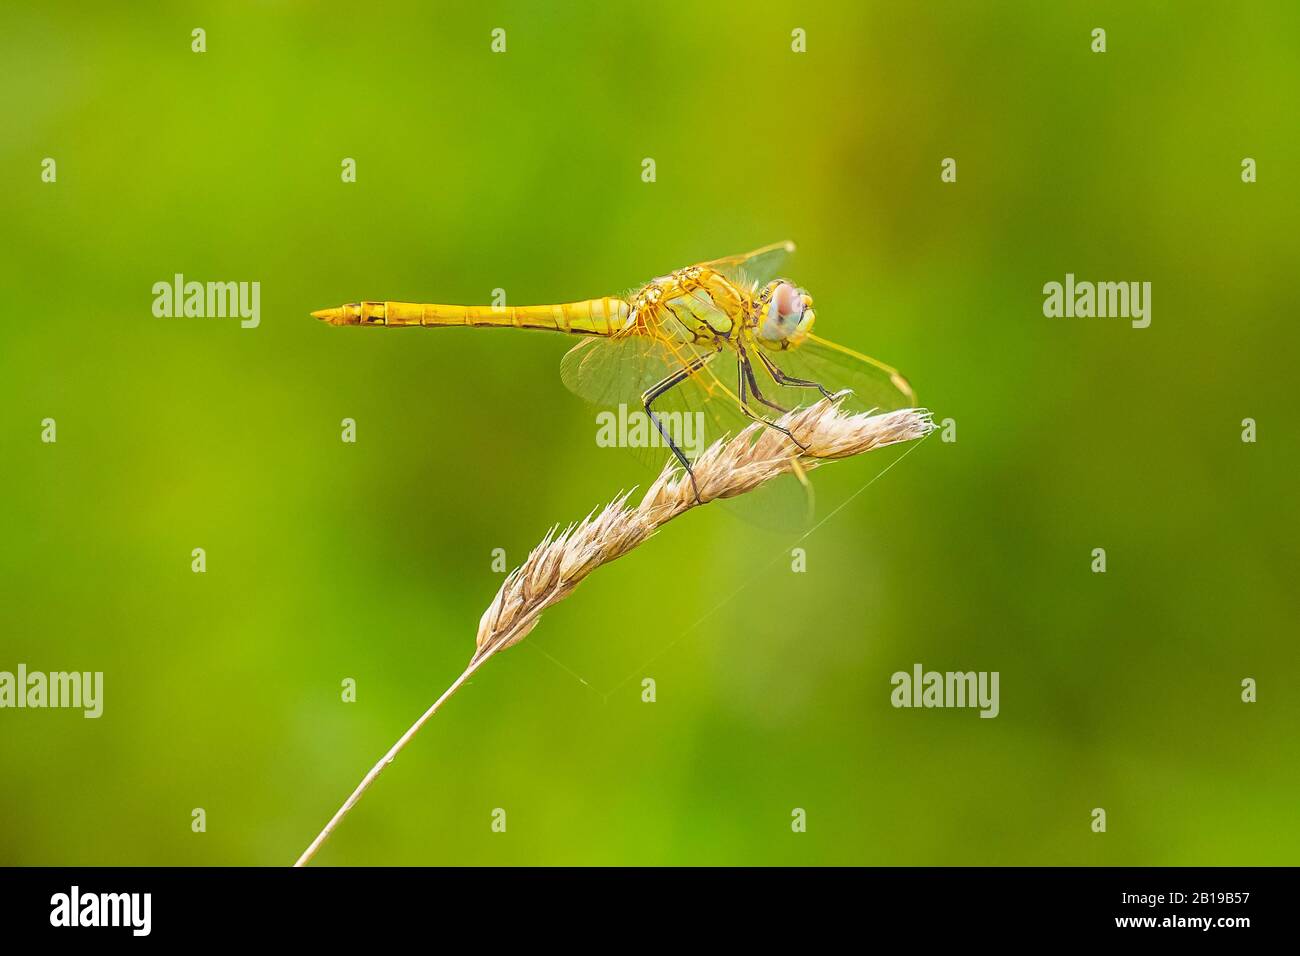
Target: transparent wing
[(875, 385), (607, 371), (614, 373), (755, 268), (702, 408)]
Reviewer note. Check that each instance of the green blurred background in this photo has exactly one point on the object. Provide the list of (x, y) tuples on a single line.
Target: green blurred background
[(523, 171)]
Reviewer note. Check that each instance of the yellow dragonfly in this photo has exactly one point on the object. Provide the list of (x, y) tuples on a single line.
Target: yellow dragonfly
[(686, 349)]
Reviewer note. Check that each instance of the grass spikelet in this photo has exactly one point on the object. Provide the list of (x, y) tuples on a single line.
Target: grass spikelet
[(563, 559)]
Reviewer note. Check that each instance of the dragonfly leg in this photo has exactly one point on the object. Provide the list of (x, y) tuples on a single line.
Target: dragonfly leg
[(748, 369), (781, 378), (656, 391), (746, 376)]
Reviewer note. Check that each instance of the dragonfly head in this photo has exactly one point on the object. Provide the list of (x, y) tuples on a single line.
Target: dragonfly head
[(785, 315)]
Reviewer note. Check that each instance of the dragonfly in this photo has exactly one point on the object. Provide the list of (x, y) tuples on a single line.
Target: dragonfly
[(719, 344)]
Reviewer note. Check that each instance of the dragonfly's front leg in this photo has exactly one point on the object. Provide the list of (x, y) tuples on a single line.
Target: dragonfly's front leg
[(746, 376), (657, 391), (781, 378)]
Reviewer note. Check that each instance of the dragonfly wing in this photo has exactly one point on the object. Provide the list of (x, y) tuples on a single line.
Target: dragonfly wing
[(614, 373), (610, 371), (874, 384), (755, 268)]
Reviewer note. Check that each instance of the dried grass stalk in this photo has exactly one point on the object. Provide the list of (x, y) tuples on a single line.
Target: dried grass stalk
[(727, 469)]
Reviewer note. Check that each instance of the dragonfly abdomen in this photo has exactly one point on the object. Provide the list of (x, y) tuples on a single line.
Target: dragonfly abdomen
[(591, 317)]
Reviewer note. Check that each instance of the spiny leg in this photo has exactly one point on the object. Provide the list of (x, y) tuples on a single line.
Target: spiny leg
[(781, 378), (657, 391), (746, 375), (753, 387)]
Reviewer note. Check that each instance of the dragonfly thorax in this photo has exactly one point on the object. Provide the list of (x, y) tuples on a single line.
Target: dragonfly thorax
[(695, 304)]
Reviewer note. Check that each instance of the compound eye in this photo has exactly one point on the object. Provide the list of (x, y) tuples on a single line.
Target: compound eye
[(787, 302)]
